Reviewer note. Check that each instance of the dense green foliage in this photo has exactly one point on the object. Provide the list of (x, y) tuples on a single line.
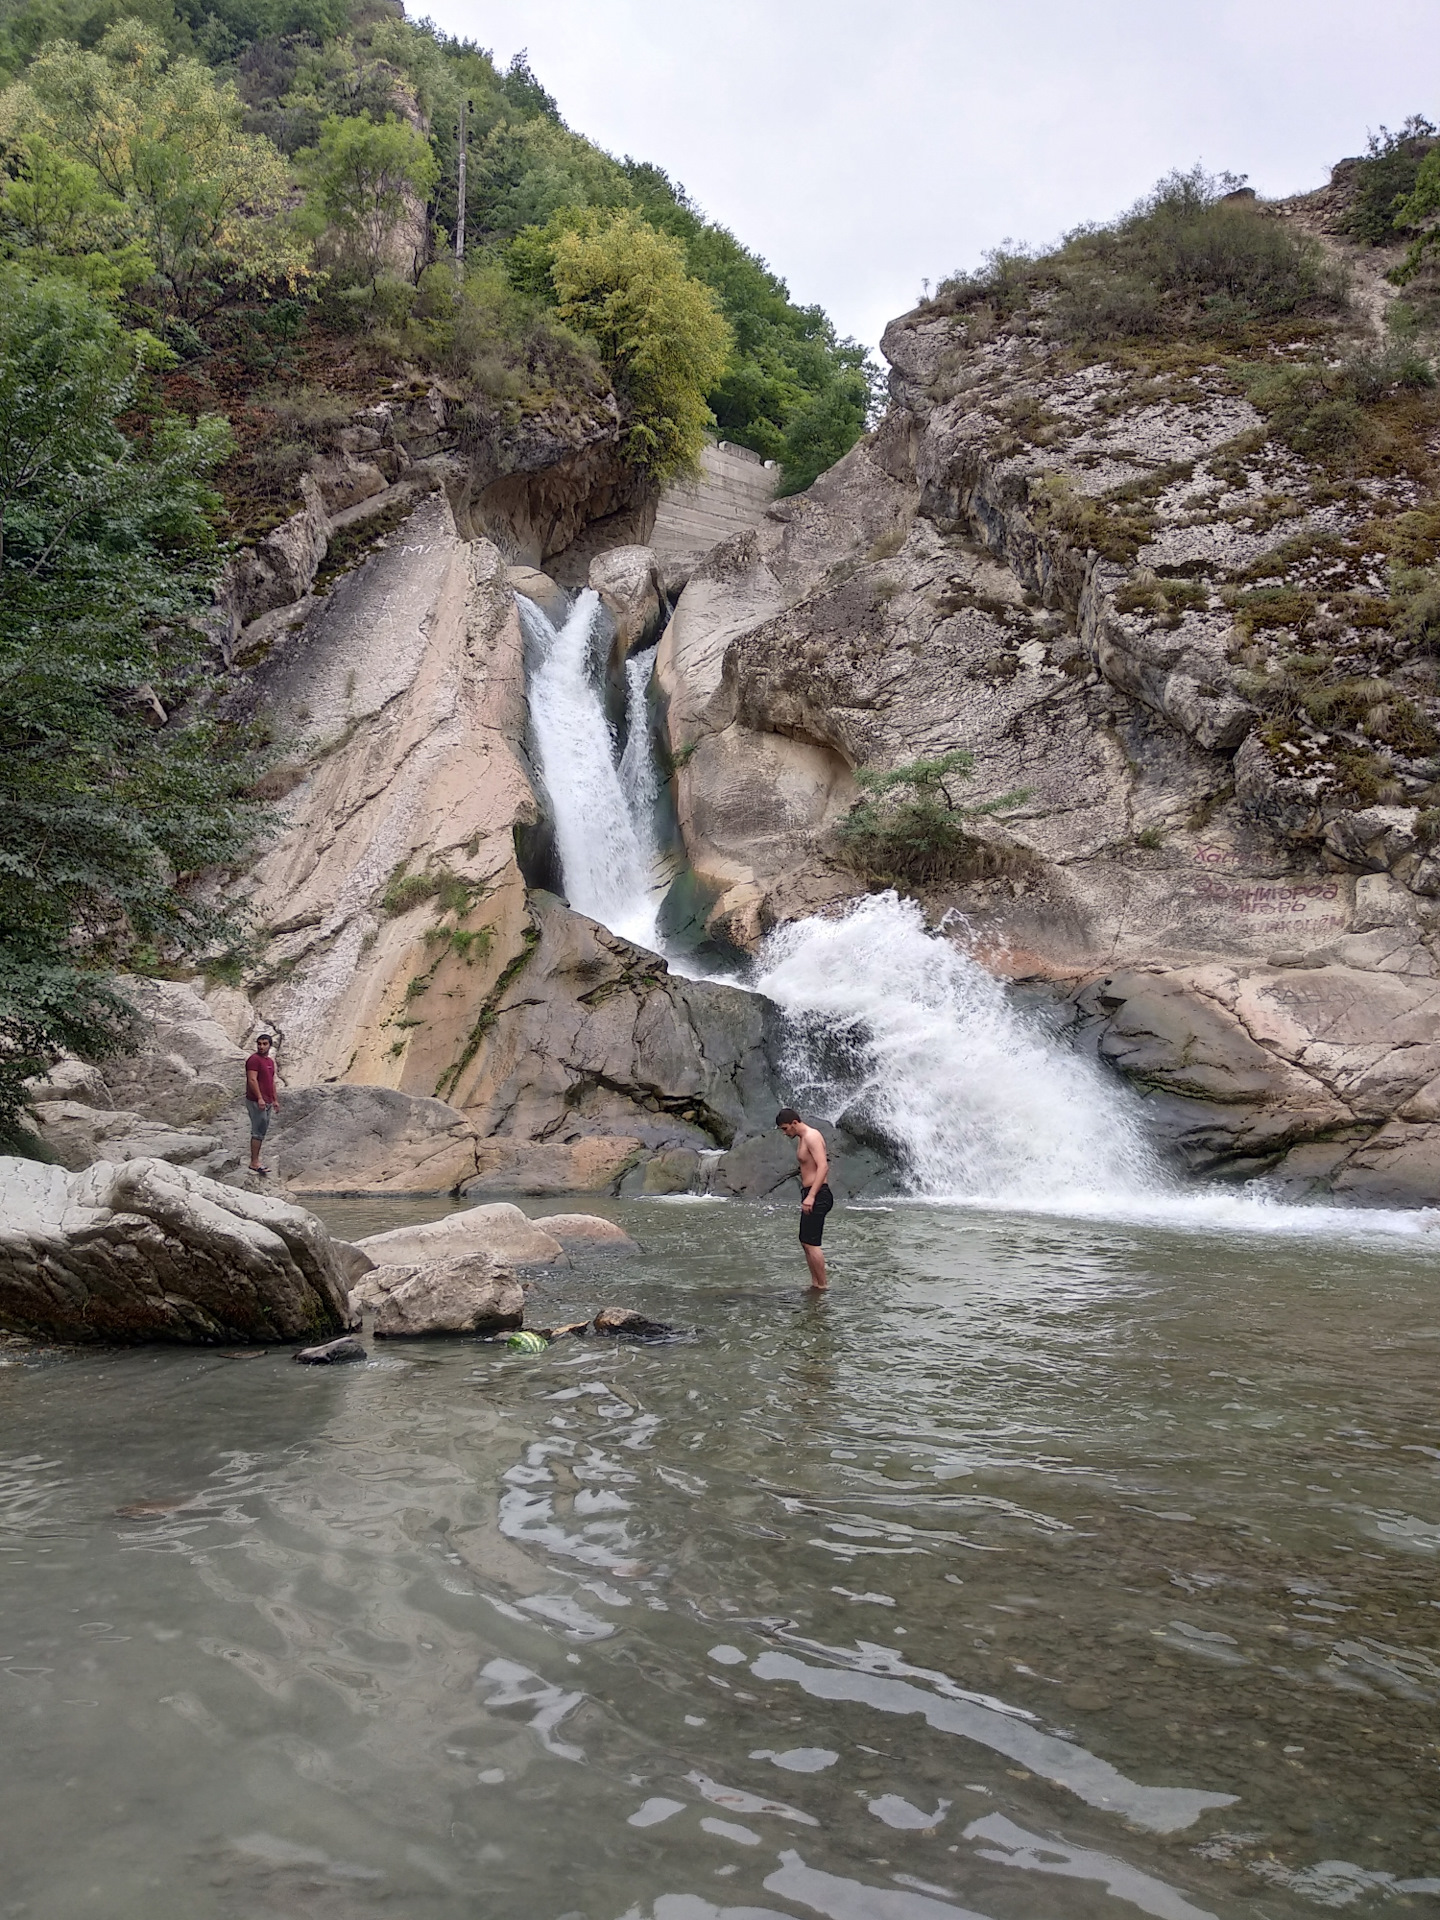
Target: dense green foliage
[(659, 330), (1386, 177), (910, 829), (1198, 257), (108, 794), (216, 195)]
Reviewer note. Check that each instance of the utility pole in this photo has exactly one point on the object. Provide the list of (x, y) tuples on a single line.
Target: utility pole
[(460, 197)]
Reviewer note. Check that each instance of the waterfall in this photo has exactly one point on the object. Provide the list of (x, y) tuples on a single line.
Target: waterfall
[(602, 804), (899, 1028), (887, 1024)]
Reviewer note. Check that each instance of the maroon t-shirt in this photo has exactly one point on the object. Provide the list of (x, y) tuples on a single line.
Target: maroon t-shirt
[(262, 1065)]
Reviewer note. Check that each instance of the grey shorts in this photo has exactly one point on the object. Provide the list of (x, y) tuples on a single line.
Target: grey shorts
[(259, 1119)]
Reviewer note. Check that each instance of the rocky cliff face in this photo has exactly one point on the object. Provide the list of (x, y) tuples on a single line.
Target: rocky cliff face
[(1092, 572), (1089, 573), (402, 947)]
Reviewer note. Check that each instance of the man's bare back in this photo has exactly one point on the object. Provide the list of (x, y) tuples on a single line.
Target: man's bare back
[(816, 1199)]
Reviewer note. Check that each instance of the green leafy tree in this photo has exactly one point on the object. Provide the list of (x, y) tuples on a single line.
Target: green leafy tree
[(1419, 214), (204, 200), (659, 331), (56, 216), (365, 177), (794, 391), (910, 828), (110, 799)]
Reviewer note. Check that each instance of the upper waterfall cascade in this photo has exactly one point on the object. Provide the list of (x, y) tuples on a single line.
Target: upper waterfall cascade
[(602, 803)]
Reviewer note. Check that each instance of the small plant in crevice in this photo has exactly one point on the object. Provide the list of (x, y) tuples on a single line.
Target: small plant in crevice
[(1151, 838), (910, 828)]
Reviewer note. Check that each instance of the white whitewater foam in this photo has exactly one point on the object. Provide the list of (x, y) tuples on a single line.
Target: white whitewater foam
[(603, 832), (912, 1034), (903, 1031)]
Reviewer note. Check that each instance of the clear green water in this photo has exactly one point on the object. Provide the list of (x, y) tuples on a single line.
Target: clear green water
[(1046, 1569)]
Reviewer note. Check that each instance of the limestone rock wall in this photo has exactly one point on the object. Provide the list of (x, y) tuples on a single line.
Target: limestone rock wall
[(499, 1039), (1042, 563)]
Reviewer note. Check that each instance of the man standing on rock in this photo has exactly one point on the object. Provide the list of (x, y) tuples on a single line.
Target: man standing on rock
[(816, 1199), (260, 1097)]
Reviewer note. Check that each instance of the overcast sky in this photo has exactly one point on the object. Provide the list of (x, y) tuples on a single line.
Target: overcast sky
[(864, 146)]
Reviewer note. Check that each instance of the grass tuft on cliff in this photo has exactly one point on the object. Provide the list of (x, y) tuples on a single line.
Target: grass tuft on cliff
[(1199, 256)]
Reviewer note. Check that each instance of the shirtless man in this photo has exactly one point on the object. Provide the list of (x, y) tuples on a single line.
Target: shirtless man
[(816, 1199)]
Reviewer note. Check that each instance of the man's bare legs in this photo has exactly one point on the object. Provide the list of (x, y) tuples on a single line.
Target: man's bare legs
[(815, 1261)]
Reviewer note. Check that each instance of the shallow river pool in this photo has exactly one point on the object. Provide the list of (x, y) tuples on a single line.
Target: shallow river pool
[(1045, 1569)]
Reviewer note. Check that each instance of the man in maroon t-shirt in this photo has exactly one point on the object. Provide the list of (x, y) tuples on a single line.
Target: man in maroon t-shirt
[(260, 1096)]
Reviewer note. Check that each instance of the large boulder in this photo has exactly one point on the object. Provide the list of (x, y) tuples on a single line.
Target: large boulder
[(77, 1135), (467, 1293), (364, 1140), (151, 1251), (629, 582), (500, 1230), (187, 1066)]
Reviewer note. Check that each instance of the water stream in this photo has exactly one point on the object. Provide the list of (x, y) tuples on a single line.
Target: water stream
[(1048, 1571)]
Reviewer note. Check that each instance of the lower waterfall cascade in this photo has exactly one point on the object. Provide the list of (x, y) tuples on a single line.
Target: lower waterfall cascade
[(888, 1023)]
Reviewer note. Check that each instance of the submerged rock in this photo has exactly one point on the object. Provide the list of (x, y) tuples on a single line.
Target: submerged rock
[(469, 1293), (150, 1251), (347, 1347), (618, 1323), (588, 1233), (499, 1230)]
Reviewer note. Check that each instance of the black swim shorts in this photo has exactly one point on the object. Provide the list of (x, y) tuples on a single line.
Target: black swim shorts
[(812, 1224)]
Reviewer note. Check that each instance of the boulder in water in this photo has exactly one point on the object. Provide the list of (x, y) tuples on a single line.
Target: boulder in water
[(500, 1230), (150, 1251), (468, 1293), (587, 1233)]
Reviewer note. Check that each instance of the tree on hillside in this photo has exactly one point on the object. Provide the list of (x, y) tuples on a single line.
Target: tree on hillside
[(364, 177), (56, 217), (1419, 214), (204, 200), (109, 798), (658, 330)]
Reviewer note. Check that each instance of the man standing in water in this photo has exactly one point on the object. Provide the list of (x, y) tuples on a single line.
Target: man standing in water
[(260, 1097), (816, 1199)]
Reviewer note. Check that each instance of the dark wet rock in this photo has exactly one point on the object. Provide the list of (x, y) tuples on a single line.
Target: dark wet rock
[(347, 1347), (618, 1323), (673, 1170), (149, 1251), (764, 1168)]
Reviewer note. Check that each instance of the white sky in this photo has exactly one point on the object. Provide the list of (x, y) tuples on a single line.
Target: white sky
[(862, 146)]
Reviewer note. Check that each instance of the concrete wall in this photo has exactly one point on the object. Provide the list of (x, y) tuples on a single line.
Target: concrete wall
[(732, 494)]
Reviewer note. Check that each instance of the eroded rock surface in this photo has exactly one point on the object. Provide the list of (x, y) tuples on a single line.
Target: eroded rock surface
[(500, 1232), (149, 1251), (1064, 570), (462, 1293)]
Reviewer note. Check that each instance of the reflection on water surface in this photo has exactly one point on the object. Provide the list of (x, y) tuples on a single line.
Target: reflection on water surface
[(1045, 1569)]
